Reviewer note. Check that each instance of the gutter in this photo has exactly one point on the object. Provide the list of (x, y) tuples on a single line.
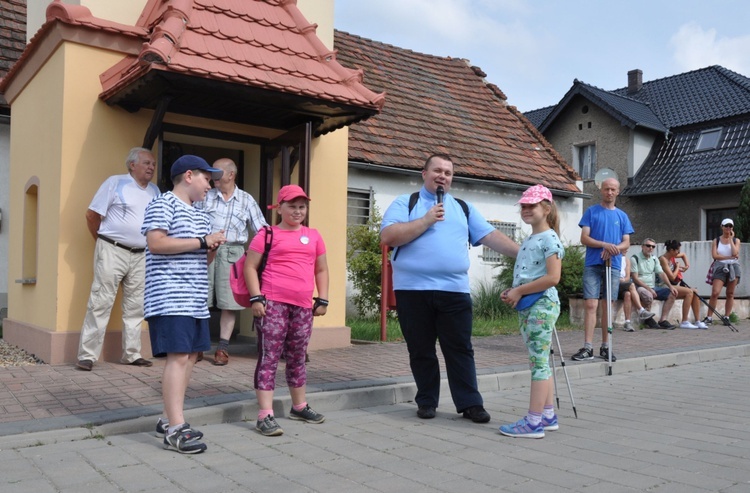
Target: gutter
[(462, 179)]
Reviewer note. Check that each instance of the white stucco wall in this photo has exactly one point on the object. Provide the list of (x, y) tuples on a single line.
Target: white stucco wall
[(640, 147), (493, 202)]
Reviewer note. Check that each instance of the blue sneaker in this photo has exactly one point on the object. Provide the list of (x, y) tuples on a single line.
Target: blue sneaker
[(522, 429), (550, 424)]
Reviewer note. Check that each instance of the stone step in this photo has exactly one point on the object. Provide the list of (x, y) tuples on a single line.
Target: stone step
[(741, 308)]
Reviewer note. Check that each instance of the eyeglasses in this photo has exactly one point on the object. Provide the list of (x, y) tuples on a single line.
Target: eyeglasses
[(650, 246)]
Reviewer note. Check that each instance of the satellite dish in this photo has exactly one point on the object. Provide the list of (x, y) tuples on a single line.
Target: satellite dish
[(604, 174)]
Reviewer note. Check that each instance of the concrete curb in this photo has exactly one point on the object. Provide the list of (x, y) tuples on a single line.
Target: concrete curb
[(351, 398)]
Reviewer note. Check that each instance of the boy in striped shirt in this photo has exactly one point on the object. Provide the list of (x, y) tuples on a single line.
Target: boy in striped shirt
[(180, 247)]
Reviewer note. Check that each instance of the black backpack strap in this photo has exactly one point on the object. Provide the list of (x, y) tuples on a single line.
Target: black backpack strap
[(267, 248), (465, 207), (413, 198)]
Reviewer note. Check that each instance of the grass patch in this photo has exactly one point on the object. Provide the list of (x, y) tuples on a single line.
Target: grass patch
[(368, 329)]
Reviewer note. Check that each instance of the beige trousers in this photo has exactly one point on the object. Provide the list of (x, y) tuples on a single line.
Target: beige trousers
[(114, 266)]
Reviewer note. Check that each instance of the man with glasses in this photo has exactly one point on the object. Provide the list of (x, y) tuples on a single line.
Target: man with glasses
[(605, 231), (644, 267)]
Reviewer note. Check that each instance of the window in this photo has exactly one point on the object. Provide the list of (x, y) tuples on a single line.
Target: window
[(30, 240), (585, 157), (714, 218), (510, 229), (358, 206), (708, 139)]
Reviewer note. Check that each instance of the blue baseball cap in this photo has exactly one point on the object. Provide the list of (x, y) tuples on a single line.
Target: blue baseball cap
[(190, 162)]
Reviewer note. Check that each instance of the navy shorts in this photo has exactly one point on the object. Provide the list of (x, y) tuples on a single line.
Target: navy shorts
[(662, 293), (178, 334)]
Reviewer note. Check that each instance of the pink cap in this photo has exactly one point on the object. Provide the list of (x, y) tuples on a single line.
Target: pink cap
[(288, 193), (535, 194)]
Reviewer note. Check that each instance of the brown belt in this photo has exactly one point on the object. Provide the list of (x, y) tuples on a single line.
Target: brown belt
[(124, 247)]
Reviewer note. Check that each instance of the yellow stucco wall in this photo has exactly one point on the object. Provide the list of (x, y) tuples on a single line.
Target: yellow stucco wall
[(70, 141), (96, 140), (328, 177), (36, 139)]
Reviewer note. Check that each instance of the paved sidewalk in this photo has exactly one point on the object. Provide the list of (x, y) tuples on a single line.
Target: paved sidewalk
[(674, 429), (43, 397)]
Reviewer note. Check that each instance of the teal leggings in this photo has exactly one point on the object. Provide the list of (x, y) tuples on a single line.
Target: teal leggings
[(537, 324)]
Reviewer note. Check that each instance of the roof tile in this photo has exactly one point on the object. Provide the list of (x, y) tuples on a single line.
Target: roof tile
[(264, 43), (442, 104)]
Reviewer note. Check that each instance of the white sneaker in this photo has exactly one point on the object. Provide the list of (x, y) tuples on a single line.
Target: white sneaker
[(701, 325), (644, 314), (687, 325)]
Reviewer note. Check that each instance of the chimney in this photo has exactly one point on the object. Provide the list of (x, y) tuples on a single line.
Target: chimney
[(635, 81)]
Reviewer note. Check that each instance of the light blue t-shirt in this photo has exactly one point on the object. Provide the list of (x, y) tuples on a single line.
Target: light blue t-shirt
[(439, 258), (531, 263), (609, 226)]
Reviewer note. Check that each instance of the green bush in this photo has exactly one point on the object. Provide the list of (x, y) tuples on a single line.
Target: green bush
[(487, 303), (364, 263), (742, 221)]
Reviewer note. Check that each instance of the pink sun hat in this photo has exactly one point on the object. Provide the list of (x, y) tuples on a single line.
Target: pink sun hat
[(535, 194), (287, 193)]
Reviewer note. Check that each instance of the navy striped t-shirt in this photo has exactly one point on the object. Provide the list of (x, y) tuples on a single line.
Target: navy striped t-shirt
[(176, 284)]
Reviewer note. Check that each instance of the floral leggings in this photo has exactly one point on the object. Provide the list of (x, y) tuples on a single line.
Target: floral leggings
[(537, 324), (285, 329)]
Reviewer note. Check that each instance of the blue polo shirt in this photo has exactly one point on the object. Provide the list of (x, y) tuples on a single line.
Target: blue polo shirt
[(439, 258)]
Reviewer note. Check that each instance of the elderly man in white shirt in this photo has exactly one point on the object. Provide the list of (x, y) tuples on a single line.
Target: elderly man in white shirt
[(114, 219)]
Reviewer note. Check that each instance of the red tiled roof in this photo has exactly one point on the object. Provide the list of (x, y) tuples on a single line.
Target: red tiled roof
[(441, 104), (12, 35), (265, 44)]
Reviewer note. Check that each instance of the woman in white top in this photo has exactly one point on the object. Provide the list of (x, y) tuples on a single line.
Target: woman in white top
[(725, 251)]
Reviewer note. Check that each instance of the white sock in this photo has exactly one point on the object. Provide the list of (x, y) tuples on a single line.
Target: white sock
[(549, 412), (534, 418), (172, 429)]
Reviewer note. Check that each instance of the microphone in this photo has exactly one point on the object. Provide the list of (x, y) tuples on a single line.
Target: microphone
[(439, 194)]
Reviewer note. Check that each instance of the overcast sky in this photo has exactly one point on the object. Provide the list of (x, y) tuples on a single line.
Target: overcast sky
[(533, 49)]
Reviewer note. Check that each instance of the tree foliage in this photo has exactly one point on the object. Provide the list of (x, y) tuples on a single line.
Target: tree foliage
[(364, 263), (742, 222)]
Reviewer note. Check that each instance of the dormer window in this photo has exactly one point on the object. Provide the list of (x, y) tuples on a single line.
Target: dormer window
[(709, 139)]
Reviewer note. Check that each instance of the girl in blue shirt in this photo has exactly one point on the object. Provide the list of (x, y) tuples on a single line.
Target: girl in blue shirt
[(535, 275)]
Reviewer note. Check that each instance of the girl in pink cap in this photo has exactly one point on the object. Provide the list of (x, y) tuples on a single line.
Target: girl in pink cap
[(533, 294), (284, 308)]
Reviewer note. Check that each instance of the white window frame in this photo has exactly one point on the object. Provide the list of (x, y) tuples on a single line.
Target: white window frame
[(705, 139), (587, 170), (354, 212), (510, 229)]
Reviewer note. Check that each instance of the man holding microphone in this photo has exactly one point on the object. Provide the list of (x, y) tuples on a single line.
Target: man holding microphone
[(430, 232)]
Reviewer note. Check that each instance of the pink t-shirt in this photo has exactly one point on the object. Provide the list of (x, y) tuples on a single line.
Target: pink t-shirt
[(289, 275)]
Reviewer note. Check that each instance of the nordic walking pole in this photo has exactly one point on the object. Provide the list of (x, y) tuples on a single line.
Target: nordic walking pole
[(554, 378), (724, 319), (608, 290), (565, 372)]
